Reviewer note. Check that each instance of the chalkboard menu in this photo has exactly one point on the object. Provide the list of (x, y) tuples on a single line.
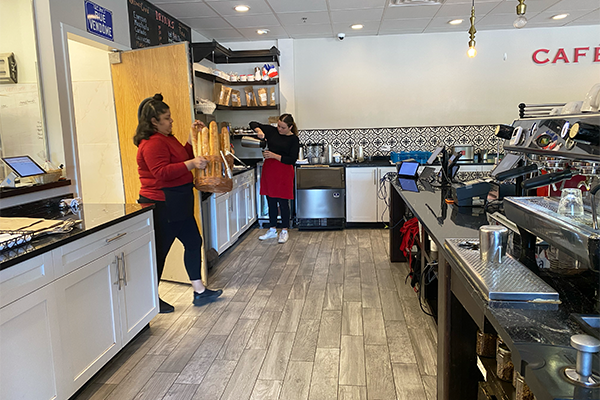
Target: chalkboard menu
[(150, 26)]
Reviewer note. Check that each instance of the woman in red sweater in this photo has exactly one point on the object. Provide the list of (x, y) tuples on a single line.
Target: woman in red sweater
[(164, 166)]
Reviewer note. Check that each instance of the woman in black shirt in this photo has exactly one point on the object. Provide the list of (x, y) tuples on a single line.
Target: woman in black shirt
[(277, 179)]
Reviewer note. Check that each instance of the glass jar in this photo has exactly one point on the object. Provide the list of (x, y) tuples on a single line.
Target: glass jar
[(504, 364)]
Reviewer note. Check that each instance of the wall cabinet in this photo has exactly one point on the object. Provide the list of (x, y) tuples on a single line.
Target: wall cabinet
[(362, 187), (227, 215), (55, 337)]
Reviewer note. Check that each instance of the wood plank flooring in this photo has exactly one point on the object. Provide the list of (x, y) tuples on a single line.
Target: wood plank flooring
[(323, 316)]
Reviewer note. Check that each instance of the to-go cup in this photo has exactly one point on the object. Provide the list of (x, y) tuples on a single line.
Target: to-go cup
[(493, 240)]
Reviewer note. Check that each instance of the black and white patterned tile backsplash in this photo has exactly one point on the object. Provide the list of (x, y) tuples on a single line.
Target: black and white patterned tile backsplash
[(418, 138)]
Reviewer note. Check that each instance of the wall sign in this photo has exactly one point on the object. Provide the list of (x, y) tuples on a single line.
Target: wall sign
[(99, 20), (150, 26), (545, 56)]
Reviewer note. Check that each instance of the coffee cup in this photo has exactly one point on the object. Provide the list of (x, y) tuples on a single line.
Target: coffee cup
[(493, 240)]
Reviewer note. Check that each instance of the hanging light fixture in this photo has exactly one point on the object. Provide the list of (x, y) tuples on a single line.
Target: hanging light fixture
[(521, 21), (472, 52)]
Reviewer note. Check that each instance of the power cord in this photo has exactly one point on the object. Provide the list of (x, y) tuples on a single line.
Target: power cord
[(382, 192)]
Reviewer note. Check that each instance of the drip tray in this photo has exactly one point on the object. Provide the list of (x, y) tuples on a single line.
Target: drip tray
[(508, 281)]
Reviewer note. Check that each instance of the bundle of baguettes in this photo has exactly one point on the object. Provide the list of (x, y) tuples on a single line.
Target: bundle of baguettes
[(215, 147)]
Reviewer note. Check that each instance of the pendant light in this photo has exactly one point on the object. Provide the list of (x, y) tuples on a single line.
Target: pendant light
[(521, 21), (472, 52)]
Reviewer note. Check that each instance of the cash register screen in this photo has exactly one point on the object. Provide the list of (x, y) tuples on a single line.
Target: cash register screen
[(508, 162), (408, 184), (24, 166), (408, 168)]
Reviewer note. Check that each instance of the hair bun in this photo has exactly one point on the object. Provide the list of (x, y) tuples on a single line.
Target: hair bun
[(157, 97)]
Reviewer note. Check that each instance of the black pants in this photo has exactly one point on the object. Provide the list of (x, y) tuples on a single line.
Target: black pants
[(284, 207), (165, 233)]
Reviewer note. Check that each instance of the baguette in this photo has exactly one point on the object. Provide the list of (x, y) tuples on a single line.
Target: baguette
[(194, 134), (203, 147), (225, 145), (215, 148)]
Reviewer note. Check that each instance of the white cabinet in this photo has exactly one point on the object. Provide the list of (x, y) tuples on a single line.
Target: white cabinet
[(362, 200), (69, 311), (30, 348), (227, 215), (104, 304)]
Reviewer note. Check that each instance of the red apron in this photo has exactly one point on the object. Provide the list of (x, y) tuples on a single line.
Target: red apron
[(277, 179)]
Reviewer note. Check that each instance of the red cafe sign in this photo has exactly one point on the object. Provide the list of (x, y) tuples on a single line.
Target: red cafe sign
[(544, 56)]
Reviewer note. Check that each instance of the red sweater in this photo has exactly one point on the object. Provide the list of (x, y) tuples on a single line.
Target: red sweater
[(161, 164)]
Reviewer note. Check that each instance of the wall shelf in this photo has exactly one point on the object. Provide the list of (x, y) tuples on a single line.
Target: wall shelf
[(214, 78), (219, 54), (245, 108)]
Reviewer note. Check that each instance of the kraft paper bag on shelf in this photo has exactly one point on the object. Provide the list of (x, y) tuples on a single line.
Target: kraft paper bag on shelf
[(262, 97), (236, 100), (272, 100), (250, 98), (222, 94)]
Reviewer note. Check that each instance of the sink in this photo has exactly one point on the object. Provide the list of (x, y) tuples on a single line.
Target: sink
[(589, 323)]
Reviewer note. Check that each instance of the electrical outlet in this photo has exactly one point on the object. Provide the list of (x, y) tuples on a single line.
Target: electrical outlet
[(385, 147)]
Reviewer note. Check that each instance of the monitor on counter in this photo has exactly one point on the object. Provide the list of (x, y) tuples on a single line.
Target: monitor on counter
[(23, 166), (409, 169), (434, 155), (509, 161)]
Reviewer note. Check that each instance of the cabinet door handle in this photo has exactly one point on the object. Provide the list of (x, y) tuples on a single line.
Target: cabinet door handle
[(119, 236), (118, 262), (124, 268), (375, 177)]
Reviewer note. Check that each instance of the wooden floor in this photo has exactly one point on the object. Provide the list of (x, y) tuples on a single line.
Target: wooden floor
[(323, 316)]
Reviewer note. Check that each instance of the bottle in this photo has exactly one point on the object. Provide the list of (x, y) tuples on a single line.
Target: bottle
[(329, 154)]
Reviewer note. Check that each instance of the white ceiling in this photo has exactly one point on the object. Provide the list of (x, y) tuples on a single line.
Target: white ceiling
[(298, 19)]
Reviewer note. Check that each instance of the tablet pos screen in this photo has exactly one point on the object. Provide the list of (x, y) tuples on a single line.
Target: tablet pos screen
[(509, 161), (23, 166), (408, 184), (408, 168), (434, 155)]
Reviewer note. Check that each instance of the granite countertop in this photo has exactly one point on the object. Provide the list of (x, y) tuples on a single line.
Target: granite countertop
[(95, 217)]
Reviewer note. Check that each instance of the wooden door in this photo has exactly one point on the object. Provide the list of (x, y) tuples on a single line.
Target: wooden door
[(140, 74)]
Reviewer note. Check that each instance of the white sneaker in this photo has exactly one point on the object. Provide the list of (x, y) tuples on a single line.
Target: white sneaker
[(271, 234), (283, 236)]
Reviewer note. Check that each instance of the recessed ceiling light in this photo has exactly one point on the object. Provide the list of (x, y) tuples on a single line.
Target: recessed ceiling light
[(356, 26), (560, 16), (241, 8), (262, 31), (455, 22)]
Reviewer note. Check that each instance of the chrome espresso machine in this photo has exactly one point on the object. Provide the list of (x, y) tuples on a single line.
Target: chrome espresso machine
[(551, 153)]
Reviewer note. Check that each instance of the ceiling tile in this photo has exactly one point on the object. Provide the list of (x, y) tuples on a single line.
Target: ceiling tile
[(356, 4), (547, 18), (464, 10), (443, 22), (403, 24), (572, 5), (368, 29), (225, 8), (206, 23), (274, 33), (357, 16), (188, 10), (297, 5), (324, 30), (319, 17), (426, 11), (533, 6), (221, 34), (253, 21), (591, 18)]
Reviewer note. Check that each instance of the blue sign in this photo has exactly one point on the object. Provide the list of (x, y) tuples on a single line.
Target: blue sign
[(99, 20)]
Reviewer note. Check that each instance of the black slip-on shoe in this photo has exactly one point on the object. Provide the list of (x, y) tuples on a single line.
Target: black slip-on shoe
[(207, 296), (165, 308)]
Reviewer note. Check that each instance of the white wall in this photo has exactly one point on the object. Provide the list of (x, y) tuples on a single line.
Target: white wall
[(427, 79), (95, 120)]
